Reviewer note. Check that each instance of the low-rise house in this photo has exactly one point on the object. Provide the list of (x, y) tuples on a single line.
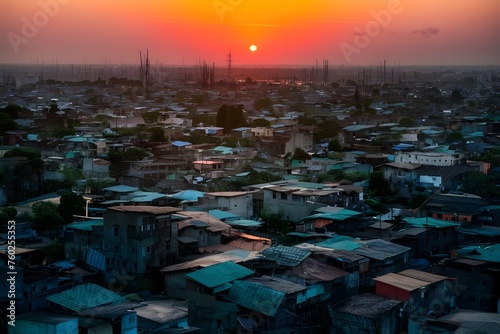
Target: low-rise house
[(175, 281), (235, 202), (203, 287), (81, 236), (424, 294), (476, 269), (366, 313), (44, 322), (427, 235)]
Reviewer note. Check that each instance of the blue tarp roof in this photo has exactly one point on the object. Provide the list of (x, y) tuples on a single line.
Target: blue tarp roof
[(179, 143), (187, 195)]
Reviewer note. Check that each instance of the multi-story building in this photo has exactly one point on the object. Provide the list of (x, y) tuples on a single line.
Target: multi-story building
[(137, 238), (430, 158)]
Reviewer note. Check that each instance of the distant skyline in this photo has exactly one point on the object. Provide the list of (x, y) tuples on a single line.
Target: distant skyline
[(285, 32)]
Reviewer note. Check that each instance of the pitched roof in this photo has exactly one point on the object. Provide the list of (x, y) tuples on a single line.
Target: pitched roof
[(86, 296), (422, 275), (277, 284), (256, 297), (219, 274), (155, 210), (85, 225), (193, 217), (429, 222), (237, 255), (286, 256), (121, 189), (367, 305), (314, 271), (401, 281)]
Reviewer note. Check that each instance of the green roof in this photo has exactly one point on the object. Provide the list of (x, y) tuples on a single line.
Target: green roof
[(219, 274), (285, 255), (338, 216), (85, 225), (84, 297), (256, 297), (488, 253), (429, 222)]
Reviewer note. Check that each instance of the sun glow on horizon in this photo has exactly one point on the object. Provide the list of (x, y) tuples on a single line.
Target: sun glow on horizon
[(253, 47)]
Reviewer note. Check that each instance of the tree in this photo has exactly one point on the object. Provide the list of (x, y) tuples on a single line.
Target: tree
[(151, 117), (300, 154), (456, 96), (480, 184), (157, 135), (6, 123), (46, 217), (260, 122), (334, 145), (454, 137), (378, 185), (71, 204), (264, 103), (230, 117), (406, 122)]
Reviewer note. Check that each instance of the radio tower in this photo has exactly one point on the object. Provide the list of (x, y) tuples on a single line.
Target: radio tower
[(229, 60)]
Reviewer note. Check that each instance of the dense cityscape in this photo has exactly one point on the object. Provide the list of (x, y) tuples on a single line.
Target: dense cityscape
[(257, 166)]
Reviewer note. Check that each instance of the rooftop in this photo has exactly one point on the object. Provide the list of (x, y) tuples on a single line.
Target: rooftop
[(402, 282), (86, 296), (256, 297), (219, 274), (367, 305), (155, 210)]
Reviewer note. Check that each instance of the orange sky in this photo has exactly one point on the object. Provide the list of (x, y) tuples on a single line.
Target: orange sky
[(292, 32)]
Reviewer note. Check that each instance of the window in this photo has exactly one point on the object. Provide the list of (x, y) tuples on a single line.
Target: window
[(274, 194), (116, 230), (148, 249), (284, 196)]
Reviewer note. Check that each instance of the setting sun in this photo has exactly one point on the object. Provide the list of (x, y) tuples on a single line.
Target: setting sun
[(253, 48)]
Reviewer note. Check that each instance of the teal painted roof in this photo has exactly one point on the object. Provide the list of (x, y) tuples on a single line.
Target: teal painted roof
[(245, 223), (85, 225), (256, 297), (340, 242), (187, 195), (219, 214), (489, 253), (429, 222), (340, 215), (121, 189), (84, 297), (219, 274)]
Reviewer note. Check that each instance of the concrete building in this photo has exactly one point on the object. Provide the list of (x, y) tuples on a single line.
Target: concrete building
[(137, 238)]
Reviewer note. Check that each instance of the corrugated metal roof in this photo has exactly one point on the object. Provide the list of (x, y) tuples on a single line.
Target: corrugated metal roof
[(155, 210), (219, 274), (379, 249), (314, 271), (121, 189), (213, 224), (401, 282), (237, 255), (277, 284), (109, 311), (83, 297), (85, 225), (489, 254), (286, 256), (429, 222), (256, 297), (96, 259), (422, 275), (367, 305)]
